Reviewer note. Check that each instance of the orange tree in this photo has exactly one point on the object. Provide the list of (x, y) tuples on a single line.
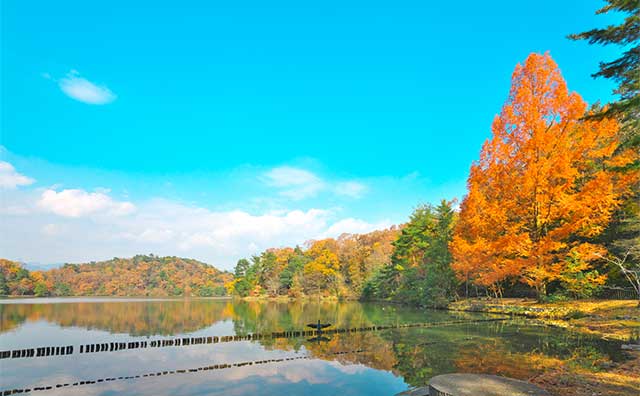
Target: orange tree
[(543, 186)]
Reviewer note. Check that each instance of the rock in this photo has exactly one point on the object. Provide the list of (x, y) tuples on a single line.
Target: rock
[(481, 385)]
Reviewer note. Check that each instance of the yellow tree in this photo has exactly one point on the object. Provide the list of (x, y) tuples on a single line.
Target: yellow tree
[(543, 185), (322, 272)]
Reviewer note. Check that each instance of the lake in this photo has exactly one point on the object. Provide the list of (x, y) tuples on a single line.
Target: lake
[(102, 346)]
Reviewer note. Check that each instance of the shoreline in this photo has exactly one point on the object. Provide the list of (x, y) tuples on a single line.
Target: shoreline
[(617, 320), (608, 319), (80, 299)]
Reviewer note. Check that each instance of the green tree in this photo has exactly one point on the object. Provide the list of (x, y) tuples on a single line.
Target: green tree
[(408, 261), (623, 233), (411, 245), (623, 70), (242, 266), (4, 288), (578, 280), (242, 287), (384, 283), (420, 268), (61, 289), (294, 267), (41, 290), (440, 280)]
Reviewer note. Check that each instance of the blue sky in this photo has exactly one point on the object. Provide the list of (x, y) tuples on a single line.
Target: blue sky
[(215, 130)]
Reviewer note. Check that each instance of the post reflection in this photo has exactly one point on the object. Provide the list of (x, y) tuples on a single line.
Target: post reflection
[(154, 340)]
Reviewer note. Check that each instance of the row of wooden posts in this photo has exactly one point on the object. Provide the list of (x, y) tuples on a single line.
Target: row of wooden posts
[(163, 373), (186, 341), (37, 352)]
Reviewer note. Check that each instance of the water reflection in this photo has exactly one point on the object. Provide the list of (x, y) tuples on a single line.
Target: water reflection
[(162, 317), (319, 334), (261, 347)]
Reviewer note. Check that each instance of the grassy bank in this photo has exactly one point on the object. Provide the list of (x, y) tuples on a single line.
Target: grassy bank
[(609, 319)]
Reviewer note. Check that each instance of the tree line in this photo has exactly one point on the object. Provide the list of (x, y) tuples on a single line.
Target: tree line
[(329, 267)]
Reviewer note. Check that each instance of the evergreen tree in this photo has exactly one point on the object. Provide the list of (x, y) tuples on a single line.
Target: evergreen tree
[(624, 70), (623, 235), (440, 282), (420, 268), (241, 268), (411, 245)]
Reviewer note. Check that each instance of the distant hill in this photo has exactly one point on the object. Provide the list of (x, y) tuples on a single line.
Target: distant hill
[(142, 275), (41, 266)]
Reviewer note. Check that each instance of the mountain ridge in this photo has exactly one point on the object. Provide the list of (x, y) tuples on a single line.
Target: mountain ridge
[(140, 275)]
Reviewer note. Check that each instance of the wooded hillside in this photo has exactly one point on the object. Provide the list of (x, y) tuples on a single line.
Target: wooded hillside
[(140, 275)]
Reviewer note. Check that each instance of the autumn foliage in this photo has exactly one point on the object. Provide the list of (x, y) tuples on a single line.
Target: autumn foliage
[(137, 276), (543, 188), (327, 267)]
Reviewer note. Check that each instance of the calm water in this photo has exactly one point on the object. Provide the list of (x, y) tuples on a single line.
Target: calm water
[(382, 362)]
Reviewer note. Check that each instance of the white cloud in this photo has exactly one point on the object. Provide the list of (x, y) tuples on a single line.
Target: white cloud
[(350, 189), (57, 224), (285, 176), (83, 90), (10, 178), (221, 236), (352, 226), (298, 184), (78, 203), (93, 226)]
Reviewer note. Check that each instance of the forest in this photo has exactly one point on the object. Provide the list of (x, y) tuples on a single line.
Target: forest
[(142, 275)]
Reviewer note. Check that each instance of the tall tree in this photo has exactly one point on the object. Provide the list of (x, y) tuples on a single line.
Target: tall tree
[(242, 266), (543, 186), (413, 242), (440, 281), (623, 70)]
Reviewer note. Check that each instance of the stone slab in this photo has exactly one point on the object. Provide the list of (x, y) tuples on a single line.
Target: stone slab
[(481, 385)]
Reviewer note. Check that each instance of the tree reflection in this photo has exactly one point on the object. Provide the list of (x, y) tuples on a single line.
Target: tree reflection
[(509, 348)]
